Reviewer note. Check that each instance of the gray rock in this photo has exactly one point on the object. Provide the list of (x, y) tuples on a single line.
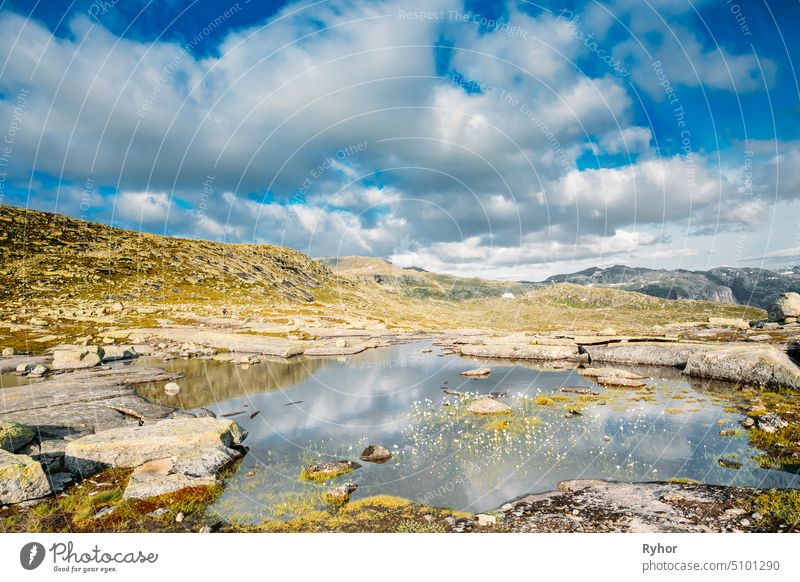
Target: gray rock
[(760, 365), (644, 353), (771, 422), (21, 479), (787, 305), (76, 359), (14, 436), (40, 370), (375, 454), (522, 351), (23, 368), (199, 447), (485, 520)]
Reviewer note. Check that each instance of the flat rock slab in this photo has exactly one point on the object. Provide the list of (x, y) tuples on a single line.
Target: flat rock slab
[(82, 400), (158, 477), (760, 365), (620, 382), (609, 372), (646, 353), (232, 341), (601, 506), (21, 479), (198, 447), (520, 351)]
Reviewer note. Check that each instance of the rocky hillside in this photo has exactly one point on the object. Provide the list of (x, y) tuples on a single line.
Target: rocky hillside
[(419, 283), (49, 256), (748, 286)]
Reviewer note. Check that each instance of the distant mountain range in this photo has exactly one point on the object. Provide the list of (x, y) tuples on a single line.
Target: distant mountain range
[(746, 286)]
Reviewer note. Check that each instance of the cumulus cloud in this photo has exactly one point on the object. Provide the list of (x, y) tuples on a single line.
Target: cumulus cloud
[(347, 128)]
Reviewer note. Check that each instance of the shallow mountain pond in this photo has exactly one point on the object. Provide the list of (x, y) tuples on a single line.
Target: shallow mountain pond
[(313, 409)]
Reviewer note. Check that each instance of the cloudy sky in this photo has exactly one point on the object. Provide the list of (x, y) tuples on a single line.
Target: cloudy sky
[(507, 140)]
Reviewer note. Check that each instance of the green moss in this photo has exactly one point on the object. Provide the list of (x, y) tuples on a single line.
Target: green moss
[(543, 400), (780, 506)]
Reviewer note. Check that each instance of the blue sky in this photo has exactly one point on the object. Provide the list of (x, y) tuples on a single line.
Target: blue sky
[(507, 140)]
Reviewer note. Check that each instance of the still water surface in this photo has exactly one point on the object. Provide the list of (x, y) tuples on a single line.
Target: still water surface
[(312, 409)]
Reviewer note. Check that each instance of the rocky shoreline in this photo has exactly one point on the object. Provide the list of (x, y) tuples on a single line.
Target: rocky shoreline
[(80, 413)]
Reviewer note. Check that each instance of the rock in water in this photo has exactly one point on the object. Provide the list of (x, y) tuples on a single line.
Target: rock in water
[(610, 373), (14, 436), (114, 353), (762, 365), (171, 389), (477, 372), (488, 406), (40, 371), (787, 305), (199, 447), (771, 422), (328, 470), (21, 479), (375, 454), (23, 368), (340, 494), (77, 359), (621, 382)]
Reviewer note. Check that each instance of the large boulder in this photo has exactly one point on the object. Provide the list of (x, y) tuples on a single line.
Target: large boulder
[(198, 447), (760, 365), (21, 479), (77, 358), (14, 436), (787, 305)]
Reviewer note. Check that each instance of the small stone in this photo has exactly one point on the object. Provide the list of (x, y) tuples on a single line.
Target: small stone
[(477, 372), (328, 470), (205, 529), (180, 517), (340, 494), (8, 352), (727, 432), (506, 507), (745, 523), (22, 368), (450, 520), (375, 454), (607, 438), (103, 512), (485, 520), (171, 389), (158, 512), (748, 422)]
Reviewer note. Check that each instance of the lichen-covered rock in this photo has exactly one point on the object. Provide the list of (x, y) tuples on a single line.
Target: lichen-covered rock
[(488, 406), (21, 479), (787, 305), (760, 365), (328, 470), (14, 436), (198, 446)]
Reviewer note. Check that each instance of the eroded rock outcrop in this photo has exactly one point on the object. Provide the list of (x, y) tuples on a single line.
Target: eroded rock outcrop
[(21, 479)]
